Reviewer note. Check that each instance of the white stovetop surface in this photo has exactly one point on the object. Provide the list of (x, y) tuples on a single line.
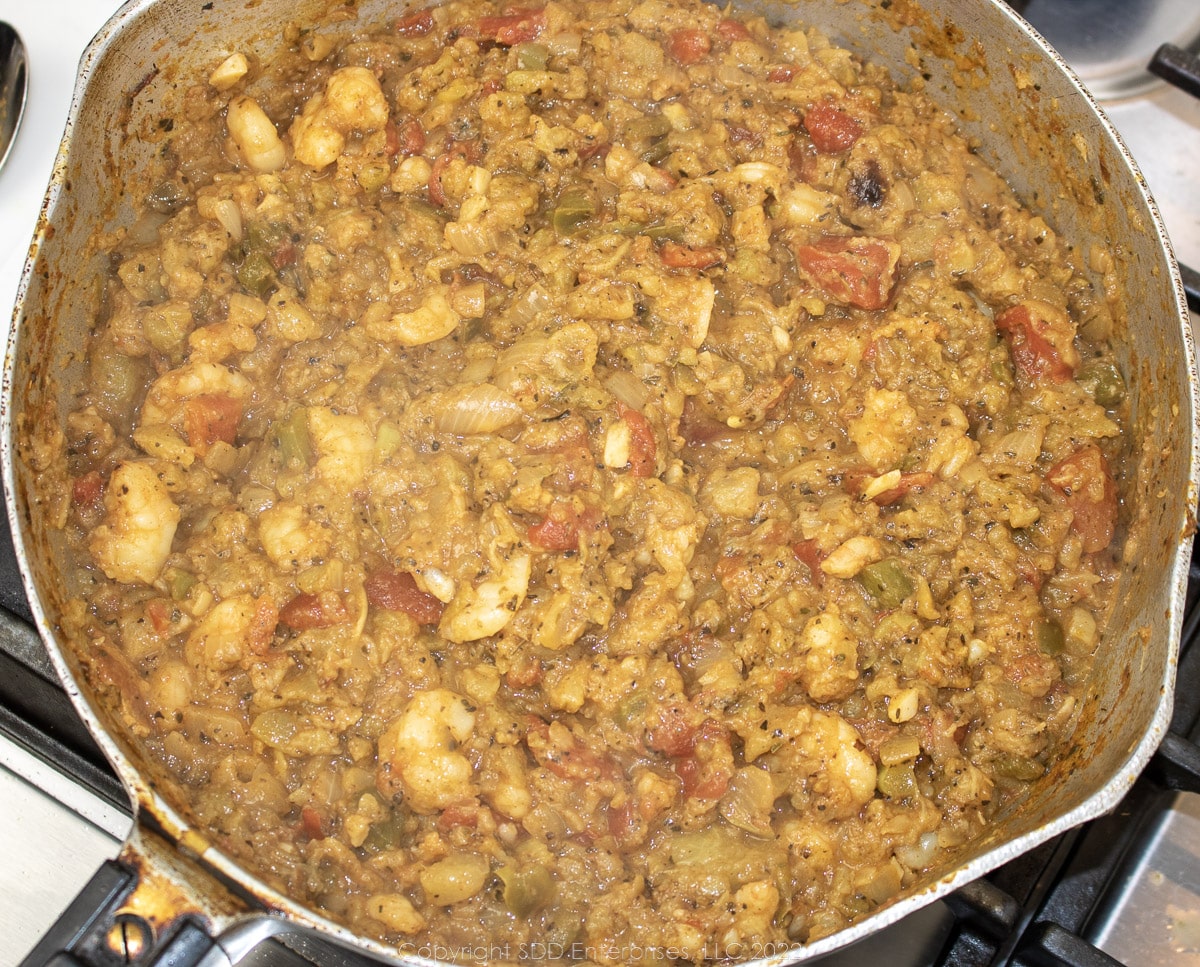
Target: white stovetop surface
[(1162, 130)]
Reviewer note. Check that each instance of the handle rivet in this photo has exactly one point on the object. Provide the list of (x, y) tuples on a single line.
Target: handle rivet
[(129, 938)]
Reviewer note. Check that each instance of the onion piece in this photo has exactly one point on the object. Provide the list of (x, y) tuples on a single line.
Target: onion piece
[(627, 388), (749, 801), (481, 408), (567, 43), (919, 855), (531, 303), (223, 211)]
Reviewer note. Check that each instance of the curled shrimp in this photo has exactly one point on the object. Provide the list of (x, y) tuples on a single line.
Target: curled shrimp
[(134, 539), (418, 753), (483, 609), (232, 631), (292, 539), (352, 101), (189, 409), (345, 445), (434, 319), (254, 135), (819, 753)]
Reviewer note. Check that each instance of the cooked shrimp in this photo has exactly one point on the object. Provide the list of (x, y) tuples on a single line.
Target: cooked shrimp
[(883, 432), (818, 753), (830, 651), (352, 101), (217, 342), (345, 445), (254, 135), (133, 541), (434, 319), (172, 423), (418, 754), (483, 609), (292, 539), (230, 632)]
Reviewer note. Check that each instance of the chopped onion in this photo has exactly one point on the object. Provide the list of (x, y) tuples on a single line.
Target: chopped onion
[(627, 388), (532, 302), (527, 355), (481, 408), (567, 43), (919, 855), (223, 211), (749, 801)]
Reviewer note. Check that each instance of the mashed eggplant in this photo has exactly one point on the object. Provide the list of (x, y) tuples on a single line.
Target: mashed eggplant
[(592, 477)]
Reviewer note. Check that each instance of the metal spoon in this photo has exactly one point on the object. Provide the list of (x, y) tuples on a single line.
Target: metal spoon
[(13, 84)]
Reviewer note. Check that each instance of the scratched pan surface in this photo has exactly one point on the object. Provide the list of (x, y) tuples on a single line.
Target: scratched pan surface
[(1033, 122)]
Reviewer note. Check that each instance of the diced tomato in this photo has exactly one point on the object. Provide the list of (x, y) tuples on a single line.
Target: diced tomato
[(510, 29), (526, 670), (1030, 573), (672, 729), (261, 632), (416, 23), (597, 149), (455, 817), (740, 134), (643, 448), (406, 139), (677, 256), (1085, 482), (731, 30), (159, 611), (706, 772), (852, 270), (87, 491), (562, 526), (832, 130), (688, 45), (467, 150), (211, 418), (398, 591), (809, 554), (623, 821), (563, 756), (554, 533), (307, 611), (437, 194), (803, 159), (1040, 341), (782, 73), (284, 254), (698, 428), (311, 824)]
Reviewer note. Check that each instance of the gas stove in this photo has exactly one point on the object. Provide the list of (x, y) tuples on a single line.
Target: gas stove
[(1121, 890)]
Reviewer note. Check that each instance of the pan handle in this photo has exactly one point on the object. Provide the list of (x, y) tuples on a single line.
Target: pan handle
[(152, 907)]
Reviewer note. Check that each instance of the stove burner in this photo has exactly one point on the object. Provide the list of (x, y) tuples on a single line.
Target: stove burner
[(1108, 42)]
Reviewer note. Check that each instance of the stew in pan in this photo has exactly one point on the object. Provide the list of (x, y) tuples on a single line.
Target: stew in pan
[(589, 478)]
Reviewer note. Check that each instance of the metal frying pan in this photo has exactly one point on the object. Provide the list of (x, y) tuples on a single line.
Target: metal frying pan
[(182, 899)]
